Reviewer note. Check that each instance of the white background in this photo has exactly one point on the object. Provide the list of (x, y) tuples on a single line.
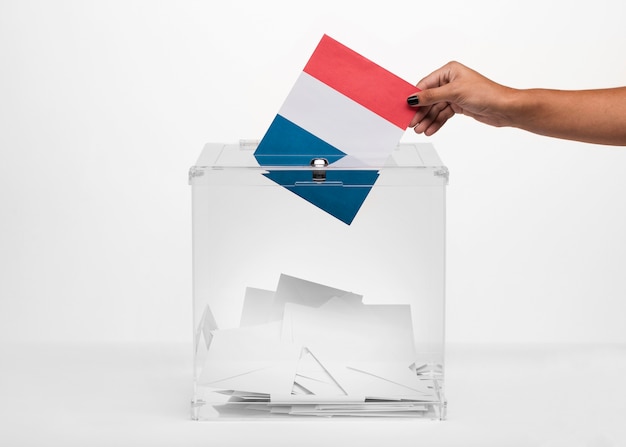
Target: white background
[(104, 105)]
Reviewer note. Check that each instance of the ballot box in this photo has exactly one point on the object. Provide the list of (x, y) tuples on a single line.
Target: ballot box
[(318, 289)]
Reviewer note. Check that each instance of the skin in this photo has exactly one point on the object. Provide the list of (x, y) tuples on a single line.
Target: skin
[(593, 116)]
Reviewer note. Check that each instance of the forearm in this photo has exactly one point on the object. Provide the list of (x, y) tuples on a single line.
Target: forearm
[(594, 116)]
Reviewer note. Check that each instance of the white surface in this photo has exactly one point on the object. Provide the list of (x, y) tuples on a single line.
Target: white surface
[(136, 395)]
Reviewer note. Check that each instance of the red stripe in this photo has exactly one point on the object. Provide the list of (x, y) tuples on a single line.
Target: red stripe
[(362, 80)]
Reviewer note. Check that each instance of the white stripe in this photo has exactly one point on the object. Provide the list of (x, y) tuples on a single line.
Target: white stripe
[(340, 121)]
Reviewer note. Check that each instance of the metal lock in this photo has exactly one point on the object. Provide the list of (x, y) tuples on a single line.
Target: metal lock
[(318, 165)]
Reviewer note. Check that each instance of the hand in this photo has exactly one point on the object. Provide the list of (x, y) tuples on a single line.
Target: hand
[(455, 88), (593, 116)]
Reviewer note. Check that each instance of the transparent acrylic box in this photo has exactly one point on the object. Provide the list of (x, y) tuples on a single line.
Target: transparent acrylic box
[(297, 314)]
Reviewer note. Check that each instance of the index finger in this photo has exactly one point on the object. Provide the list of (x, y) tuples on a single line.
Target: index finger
[(437, 78)]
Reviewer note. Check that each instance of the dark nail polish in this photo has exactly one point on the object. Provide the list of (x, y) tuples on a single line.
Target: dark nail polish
[(413, 100)]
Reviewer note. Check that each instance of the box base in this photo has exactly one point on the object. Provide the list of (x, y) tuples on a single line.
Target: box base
[(214, 406)]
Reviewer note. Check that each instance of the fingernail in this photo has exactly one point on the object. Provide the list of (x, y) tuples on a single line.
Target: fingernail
[(413, 100)]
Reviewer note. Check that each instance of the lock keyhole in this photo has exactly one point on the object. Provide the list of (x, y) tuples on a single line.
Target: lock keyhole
[(319, 171)]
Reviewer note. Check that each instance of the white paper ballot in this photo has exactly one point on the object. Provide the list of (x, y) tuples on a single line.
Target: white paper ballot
[(311, 349), (397, 373), (299, 291), (312, 376), (380, 384), (363, 333), (257, 306), (251, 359), (205, 328)]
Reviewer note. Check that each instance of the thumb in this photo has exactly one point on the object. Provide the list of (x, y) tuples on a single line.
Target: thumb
[(431, 96)]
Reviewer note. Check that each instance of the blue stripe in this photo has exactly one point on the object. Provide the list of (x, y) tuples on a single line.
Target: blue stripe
[(287, 144), (341, 195)]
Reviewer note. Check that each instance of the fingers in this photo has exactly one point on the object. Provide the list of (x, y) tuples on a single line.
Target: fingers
[(429, 120), (439, 86), (437, 78), (434, 108), (444, 75), (419, 116), (437, 101)]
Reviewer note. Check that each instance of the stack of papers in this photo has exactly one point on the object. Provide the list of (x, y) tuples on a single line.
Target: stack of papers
[(310, 349)]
